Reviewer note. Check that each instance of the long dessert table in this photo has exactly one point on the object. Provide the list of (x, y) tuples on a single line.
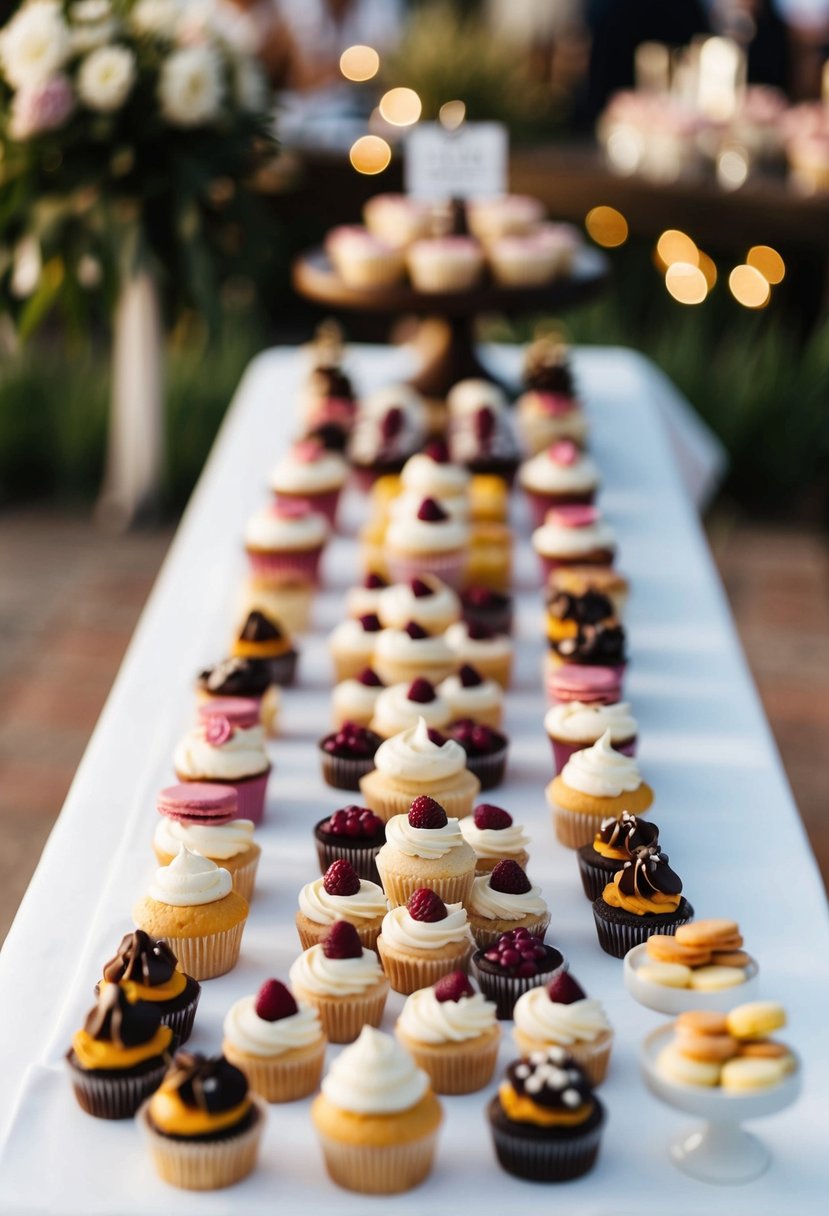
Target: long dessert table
[(723, 805)]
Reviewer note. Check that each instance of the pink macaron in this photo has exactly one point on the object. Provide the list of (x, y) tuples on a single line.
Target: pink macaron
[(241, 712), (579, 682), (199, 802)]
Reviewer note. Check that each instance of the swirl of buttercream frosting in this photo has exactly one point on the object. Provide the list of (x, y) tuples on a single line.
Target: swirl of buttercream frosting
[(374, 1076), (402, 932), (211, 840), (242, 755), (464, 702), (395, 711), (491, 842), (559, 540), (576, 722), (291, 475), (412, 535), (434, 478), (459, 641), (256, 1036), (190, 880), (547, 475), (600, 771), (428, 1020), (396, 646), (324, 976), (323, 909), (504, 905), (398, 604), (429, 843), (552, 1022), (269, 529), (412, 756)]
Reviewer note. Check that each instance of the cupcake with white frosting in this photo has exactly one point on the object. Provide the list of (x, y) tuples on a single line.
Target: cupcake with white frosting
[(478, 646), (362, 600), (494, 837), (227, 747), (284, 543), (343, 981), (362, 260), (560, 1014), (430, 540), (596, 783), (399, 707), (505, 899), (572, 725), (354, 699), (230, 844), (444, 263), (410, 764), (192, 905), (431, 473), (481, 434), (422, 940), (573, 536), (353, 643), (426, 600), (311, 475), (452, 1033), (340, 895), (391, 426), (410, 653), (377, 1118), (276, 1042), (425, 848), (471, 695), (561, 475)]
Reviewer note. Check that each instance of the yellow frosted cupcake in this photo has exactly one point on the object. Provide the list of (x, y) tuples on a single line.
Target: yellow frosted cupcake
[(596, 783), (452, 1033), (192, 905), (343, 981), (278, 1044), (377, 1118), (425, 848), (410, 764), (422, 940)]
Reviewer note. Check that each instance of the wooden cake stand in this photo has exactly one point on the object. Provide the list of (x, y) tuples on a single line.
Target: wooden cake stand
[(452, 356)]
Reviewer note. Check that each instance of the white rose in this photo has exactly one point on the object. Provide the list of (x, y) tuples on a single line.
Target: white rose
[(155, 16), (106, 77), (190, 87), (35, 44), (91, 24)]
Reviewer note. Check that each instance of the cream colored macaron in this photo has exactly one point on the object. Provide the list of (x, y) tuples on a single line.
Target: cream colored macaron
[(685, 1071), (714, 978), (667, 975), (748, 1073)]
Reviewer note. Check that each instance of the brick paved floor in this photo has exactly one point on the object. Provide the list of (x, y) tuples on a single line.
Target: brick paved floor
[(70, 597)]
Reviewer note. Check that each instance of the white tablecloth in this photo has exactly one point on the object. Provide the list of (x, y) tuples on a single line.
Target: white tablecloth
[(722, 803)]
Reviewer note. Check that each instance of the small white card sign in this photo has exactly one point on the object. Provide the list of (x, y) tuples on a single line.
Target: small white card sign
[(469, 161)]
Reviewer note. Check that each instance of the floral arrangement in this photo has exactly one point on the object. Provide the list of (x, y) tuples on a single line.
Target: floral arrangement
[(128, 129)]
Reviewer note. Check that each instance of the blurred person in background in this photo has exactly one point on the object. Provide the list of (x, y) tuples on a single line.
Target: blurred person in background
[(322, 29)]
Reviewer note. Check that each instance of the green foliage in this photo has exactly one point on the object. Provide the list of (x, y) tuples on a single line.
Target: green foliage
[(446, 55)]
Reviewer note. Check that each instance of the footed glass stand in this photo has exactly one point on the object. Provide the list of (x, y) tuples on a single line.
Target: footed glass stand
[(718, 1150)]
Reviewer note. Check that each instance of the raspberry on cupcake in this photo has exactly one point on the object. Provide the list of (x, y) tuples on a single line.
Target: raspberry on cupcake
[(451, 1032), (423, 939), (505, 899), (494, 836), (425, 848), (426, 600), (354, 834), (347, 755), (410, 653), (516, 962), (278, 1044), (560, 1014), (340, 895), (365, 599)]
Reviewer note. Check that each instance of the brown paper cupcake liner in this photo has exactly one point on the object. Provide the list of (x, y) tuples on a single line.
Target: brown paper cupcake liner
[(594, 878), (505, 990), (484, 937), (545, 1160), (407, 975), (115, 1097), (210, 955), (205, 1165), (181, 1022), (344, 773), (381, 1170), (282, 1078), (311, 934), (489, 770), (453, 889), (574, 829), (461, 1070), (593, 1058), (344, 1017)]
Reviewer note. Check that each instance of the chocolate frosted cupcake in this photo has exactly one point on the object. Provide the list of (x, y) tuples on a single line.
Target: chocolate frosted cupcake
[(516, 962), (614, 844), (347, 755), (601, 645), (483, 606), (486, 750), (120, 1055), (248, 679), (353, 834), (568, 612), (545, 1120), (644, 897), (264, 639), (145, 969), (202, 1124)]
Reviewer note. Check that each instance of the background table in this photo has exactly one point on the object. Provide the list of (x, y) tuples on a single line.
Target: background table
[(722, 803)]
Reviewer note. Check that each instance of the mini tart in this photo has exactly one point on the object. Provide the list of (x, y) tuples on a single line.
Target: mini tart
[(577, 817), (388, 796), (196, 1148)]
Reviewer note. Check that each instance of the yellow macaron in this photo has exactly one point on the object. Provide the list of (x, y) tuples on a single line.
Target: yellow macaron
[(756, 1020), (744, 1074), (714, 977), (677, 1067)]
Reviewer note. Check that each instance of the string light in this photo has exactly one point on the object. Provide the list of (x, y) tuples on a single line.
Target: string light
[(359, 63), (708, 268), (370, 154), (401, 107), (748, 287), (607, 226), (675, 246), (686, 283), (451, 114), (768, 261)]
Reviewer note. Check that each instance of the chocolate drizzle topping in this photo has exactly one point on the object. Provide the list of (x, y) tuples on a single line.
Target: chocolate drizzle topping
[(116, 1020), (207, 1083), (260, 628), (588, 609), (237, 678), (600, 645), (142, 959), (648, 874), (628, 833), (551, 1079)]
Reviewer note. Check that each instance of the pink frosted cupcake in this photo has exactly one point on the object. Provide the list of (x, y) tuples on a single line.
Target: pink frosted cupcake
[(573, 535), (534, 258), (573, 726), (431, 541), (397, 219), (561, 475), (227, 747), (445, 263), (311, 475), (504, 215), (284, 542), (590, 685), (363, 261)]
